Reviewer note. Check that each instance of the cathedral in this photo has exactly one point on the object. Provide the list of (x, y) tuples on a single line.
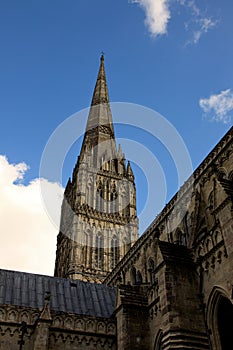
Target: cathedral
[(170, 288)]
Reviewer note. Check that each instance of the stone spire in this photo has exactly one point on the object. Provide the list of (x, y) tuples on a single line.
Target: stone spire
[(99, 219), (101, 90), (99, 124)]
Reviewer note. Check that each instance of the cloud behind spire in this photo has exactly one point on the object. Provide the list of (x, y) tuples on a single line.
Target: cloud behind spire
[(157, 15)]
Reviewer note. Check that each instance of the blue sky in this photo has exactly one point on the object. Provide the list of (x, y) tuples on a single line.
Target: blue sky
[(174, 57)]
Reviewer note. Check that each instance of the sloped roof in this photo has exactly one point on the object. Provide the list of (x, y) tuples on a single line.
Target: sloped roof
[(71, 296)]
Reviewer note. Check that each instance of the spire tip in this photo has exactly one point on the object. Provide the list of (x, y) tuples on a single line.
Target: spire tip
[(102, 56)]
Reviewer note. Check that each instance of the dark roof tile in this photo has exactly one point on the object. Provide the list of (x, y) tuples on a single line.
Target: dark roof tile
[(71, 296)]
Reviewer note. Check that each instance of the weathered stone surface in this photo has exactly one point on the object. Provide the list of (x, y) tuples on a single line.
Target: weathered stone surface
[(186, 257)]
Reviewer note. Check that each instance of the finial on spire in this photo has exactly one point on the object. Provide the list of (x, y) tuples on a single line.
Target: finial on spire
[(102, 56)]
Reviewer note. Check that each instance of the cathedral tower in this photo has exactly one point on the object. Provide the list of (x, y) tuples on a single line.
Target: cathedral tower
[(98, 218)]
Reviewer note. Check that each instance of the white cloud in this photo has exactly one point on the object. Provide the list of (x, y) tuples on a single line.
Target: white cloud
[(218, 107), (193, 6), (204, 25), (28, 237), (199, 23), (157, 15)]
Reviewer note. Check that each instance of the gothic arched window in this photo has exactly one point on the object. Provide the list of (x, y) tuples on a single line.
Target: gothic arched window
[(113, 198), (99, 197), (133, 275), (99, 251), (138, 278), (179, 237), (114, 251), (151, 270)]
